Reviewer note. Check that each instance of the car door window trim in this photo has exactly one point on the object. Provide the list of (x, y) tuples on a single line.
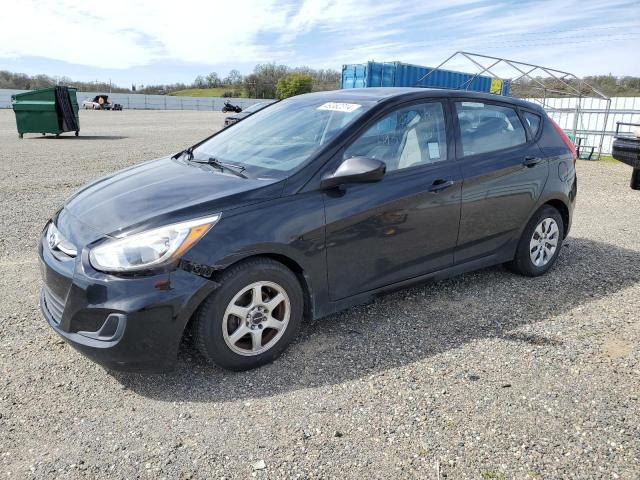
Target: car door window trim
[(538, 134), (459, 148), (450, 138)]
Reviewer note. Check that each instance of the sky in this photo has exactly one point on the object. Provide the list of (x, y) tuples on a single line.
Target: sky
[(166, 42)]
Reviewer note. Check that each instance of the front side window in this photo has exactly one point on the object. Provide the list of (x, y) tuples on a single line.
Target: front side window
[(408, 137), (486, 128), (281, 138)]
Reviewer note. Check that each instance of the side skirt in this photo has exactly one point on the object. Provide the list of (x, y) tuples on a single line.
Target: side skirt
[(365, 297)]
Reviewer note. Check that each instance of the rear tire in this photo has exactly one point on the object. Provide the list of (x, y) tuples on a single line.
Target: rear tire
[(635, 179), (252, 317), (539, 244)]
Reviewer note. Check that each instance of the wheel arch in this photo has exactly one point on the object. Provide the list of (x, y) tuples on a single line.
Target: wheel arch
[(564, 212), (297, 269), (287, 261)]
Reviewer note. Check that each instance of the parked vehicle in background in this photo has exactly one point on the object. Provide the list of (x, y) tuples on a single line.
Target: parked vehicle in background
[(229, 107), (100, 102), (317, 203), (246, 112), (626, 149)]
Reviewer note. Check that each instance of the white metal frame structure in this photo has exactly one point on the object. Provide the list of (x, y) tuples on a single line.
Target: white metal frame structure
[(565, 84)]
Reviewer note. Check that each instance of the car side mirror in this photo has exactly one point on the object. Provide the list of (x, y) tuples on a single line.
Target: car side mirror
[(355, 170)]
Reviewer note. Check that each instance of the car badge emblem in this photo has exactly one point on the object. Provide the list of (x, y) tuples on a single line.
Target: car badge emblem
[(53, 241)]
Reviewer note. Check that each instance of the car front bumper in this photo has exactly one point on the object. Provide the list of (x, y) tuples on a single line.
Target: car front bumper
[(132, 324)]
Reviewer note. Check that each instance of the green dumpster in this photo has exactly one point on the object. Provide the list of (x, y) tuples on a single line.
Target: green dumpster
[(50, 110)]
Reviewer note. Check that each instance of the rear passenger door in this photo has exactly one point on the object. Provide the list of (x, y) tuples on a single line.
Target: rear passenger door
[(503, 173)]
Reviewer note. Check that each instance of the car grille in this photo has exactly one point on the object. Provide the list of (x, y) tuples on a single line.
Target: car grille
[(53, 304)]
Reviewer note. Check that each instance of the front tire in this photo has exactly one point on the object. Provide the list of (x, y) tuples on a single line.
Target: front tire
[(252, 317), (540, 243)]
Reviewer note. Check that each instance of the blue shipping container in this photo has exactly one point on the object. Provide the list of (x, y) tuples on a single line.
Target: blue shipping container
[(398, 74)]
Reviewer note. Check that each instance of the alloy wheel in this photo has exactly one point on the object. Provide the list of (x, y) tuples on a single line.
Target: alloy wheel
[(256, 318), (544, 242)]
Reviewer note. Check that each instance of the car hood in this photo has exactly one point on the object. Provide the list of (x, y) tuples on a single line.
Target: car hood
[(161, 192)]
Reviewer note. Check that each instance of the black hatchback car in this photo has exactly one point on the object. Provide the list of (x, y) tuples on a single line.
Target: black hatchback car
[(315, 204)]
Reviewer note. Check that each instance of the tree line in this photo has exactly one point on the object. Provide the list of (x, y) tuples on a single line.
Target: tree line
[(609, 85), (271, 80), (261, 83)]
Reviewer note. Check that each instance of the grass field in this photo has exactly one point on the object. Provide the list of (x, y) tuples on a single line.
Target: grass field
[(608, 158), (203, 92)]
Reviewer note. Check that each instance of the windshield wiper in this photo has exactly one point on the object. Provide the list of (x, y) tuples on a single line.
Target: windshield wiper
[(188, 151), (235, 169)]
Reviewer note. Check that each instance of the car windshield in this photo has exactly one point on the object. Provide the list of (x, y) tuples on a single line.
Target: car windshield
[(255, 107), (283, 137)]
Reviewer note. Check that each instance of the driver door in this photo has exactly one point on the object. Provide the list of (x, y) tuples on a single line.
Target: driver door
[(405, 225)]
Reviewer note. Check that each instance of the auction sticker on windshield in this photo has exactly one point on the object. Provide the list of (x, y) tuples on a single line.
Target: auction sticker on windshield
[(339, 107)]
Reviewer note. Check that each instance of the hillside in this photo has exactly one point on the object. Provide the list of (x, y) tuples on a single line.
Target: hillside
[(204, 92)]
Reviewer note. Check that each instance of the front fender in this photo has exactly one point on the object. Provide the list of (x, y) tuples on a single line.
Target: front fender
[(289, 229)]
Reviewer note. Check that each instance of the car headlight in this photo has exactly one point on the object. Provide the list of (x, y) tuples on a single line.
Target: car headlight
[(149, 249)]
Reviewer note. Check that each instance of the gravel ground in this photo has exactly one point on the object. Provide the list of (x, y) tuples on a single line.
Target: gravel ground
[(488, 375)]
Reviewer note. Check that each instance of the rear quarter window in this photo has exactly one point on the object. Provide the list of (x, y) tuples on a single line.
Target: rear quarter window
[(485, 127), (533, 121)]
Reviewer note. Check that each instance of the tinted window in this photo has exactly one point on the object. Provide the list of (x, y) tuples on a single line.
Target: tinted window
[(407, 137), (256, 106), (486, 128), (533, 121)]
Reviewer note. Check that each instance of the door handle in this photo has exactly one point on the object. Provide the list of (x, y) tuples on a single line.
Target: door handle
[(440, 184), (531, 161)]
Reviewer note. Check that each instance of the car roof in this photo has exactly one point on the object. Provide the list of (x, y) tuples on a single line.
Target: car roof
[(382, 94)]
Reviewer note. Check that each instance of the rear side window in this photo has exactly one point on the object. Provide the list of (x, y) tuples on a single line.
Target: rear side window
[(486, 128), (533, 121)]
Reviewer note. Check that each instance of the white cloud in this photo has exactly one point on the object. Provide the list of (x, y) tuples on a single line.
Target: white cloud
[(122, 34), (568, 34), (582, 37)]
